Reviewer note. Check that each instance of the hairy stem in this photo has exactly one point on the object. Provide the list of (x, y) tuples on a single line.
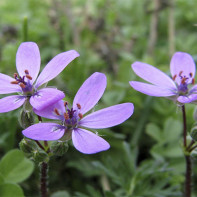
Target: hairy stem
[(43, 179), (187, 157)]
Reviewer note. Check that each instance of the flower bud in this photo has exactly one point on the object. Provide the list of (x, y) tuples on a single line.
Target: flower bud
[(26, 119), (27, 145), (59, 148), (40, 156)]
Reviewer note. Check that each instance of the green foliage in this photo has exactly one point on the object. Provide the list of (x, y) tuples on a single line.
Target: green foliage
[(14, 167), (145, 159)]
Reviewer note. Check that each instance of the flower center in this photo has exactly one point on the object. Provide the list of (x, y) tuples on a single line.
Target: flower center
[(184, 82), (71, 116), (24, 82)]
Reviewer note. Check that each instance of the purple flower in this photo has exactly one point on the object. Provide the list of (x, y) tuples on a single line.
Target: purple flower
[(182, 69), (74, 123), (28, 66)]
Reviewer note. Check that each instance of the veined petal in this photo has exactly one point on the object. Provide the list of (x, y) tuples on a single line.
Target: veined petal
[(28, 58), (153, 75), (10, 103), (90, 92), (55, 66), (49, 112), (44, 131), (108, 117), (152, 90), (182, 63), (5, 85), (46, 97), (87, 142), (187, 99)]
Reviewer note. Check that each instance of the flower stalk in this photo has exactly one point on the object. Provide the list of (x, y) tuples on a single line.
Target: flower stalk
[(187, 192), (43, 179)]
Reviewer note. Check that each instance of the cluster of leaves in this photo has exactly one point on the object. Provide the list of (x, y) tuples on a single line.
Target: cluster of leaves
[(145, 159)]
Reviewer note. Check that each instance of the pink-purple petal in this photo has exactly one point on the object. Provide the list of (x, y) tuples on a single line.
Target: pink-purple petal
[(153, 75), (90, 92), (108, 117), (152, 90), (55, 66), (46, 97), (28, 58), (49, 112), (5, 85), (87, 142), (44, 131), (187, 99), (10, 103), (182, 62)]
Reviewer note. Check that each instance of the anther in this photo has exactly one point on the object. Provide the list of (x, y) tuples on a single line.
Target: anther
[(28, 77), (56, 111), (174, 77), (65, 103), (78, 106), (193, 81), (183, 80), (22, 85), (181, 72), (191, 75), (80, 115), (66, 116), (26, 72), (14, 82), (15, 75)]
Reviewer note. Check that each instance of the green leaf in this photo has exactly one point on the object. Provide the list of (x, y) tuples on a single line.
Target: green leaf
[(10, 190), (61, 194), (14, 167), (1, 179), (154, 131)]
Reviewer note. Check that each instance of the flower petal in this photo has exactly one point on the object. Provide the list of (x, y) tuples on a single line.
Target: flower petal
[(187, 99), (28, 58), (152, 90), (153, 75), (10, 103), (55, 66), (46, 97), (108, 117), (90, 92), (49, 112), (182, 62), (6, 87), (44, 131), (87, 142)]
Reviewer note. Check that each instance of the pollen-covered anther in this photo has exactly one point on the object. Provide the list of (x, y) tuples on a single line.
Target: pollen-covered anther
[(193, 81), (27, 72), (80, 115), (181, 72), (191, 75), (28, 77), (66, 116), (14, 82), (22, 85), (78, 106), (15, 75), (183, 80), (65, 103), (174, 77), (56, 111)]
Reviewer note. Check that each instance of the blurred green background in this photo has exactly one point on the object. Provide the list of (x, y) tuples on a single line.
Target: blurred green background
[(145, 159)]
